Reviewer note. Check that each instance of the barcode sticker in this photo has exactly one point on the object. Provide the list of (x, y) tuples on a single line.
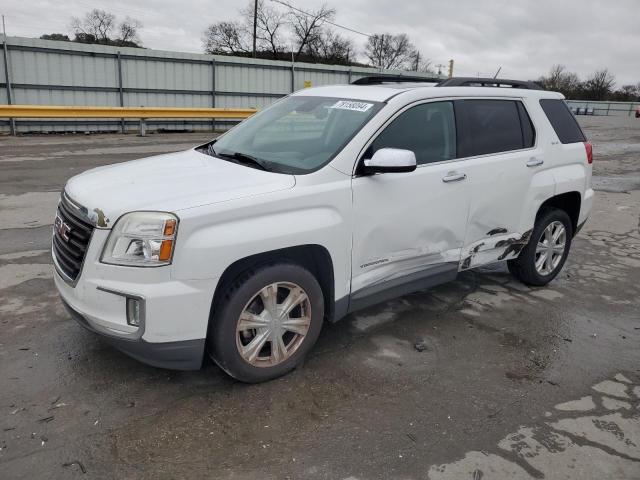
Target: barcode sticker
[(351, 105)]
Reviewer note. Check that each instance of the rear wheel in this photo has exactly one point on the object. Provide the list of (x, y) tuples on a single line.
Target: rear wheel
[(266, 323), (543, 257)]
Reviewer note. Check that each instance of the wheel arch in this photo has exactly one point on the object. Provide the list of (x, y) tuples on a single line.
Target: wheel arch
[(313, 257), (569, 202)]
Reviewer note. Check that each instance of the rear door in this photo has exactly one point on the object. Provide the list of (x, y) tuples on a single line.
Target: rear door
[(502, 157)]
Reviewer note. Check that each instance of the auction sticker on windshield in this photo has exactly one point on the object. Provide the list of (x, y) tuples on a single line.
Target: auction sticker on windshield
[(351, 105)]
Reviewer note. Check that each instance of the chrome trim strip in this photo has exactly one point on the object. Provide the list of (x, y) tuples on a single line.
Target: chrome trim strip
[(81, 212)]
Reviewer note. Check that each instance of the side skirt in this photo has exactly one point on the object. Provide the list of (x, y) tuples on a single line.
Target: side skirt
[(388, 290)]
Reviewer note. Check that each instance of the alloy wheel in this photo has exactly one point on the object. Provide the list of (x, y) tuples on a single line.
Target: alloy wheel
[(550, 248), (273, 324)]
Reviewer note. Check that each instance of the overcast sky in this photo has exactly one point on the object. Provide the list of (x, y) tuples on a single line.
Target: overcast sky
[(524, 37)]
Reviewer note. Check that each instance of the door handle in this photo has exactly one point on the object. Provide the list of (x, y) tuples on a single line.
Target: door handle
[(454, 177), (534, 162)]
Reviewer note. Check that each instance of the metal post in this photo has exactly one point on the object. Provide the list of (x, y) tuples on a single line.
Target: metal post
[(7, 76), (293, 77), (608, 107), (350, 73), (255, 26), (213, 91), (143, 128), (630, 108), (120, 90)]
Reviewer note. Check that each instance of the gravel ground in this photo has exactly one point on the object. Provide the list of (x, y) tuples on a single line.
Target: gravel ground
[(508, 382)]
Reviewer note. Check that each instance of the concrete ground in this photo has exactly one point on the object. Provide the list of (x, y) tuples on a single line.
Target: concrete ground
[(507, 382)]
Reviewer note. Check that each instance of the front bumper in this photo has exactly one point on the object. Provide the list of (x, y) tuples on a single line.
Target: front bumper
[(175, 317), (181, 355)]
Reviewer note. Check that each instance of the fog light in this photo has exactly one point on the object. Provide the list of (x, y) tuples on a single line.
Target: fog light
[(133, 311)]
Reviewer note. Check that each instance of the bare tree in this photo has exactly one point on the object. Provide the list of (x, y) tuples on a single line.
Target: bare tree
[(389, 51), (269, 26), (599, 85), (226, 38), (331, 47), (560, 80), (307, 26), (418, 63), (129, 31), (97, 23)]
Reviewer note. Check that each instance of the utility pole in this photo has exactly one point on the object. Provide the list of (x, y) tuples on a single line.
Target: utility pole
[(255, 26), (451, 68), (5, 54), (440, 67)]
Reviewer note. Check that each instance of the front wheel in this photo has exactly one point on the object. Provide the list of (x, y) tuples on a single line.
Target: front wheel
[(266, 323), (543, 257)]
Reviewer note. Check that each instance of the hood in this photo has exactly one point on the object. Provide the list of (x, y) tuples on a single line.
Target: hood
[(170, 182)]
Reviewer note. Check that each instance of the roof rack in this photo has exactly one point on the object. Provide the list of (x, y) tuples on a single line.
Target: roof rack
[(488, 82), (380, 79)]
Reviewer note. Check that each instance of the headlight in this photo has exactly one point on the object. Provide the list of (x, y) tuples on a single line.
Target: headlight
[(141, 239)]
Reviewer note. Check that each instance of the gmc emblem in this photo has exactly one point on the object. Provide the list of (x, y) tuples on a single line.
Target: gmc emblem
[(61, 228)]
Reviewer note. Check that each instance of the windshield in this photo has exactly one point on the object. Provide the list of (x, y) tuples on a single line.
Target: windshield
[(296, 135)]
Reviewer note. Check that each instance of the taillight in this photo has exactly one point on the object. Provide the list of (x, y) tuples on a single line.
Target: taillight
[(589, 148)]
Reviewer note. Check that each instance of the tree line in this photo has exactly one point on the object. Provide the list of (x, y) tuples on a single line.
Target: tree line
[(600, 85), (285, 32), (101, 27)]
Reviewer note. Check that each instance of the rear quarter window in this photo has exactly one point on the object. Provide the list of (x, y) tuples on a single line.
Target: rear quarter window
[(562, 120)]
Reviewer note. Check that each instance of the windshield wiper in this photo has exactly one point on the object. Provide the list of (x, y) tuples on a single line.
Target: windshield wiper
[(245, 159)]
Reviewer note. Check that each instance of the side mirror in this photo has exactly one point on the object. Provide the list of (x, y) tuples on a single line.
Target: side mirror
[(390, 160)]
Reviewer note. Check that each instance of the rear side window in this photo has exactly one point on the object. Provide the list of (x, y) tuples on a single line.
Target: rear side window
[(428, 130), (495, 126), (562, 121)]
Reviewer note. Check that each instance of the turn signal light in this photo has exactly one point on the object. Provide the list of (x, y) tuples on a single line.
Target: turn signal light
[(165, 250)]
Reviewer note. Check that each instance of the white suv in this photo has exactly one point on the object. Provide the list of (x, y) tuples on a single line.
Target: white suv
[(332, 199)]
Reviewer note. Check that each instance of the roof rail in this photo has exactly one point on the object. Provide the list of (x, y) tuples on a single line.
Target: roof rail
[(379, 79), (488, 82)]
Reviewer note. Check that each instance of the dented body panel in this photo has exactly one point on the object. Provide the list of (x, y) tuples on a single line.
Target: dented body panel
[(420, 222)]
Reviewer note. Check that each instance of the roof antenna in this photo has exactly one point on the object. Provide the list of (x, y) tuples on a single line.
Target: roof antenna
[(496, 75)]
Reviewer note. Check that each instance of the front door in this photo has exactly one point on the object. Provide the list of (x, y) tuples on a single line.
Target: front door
[(409, 228)]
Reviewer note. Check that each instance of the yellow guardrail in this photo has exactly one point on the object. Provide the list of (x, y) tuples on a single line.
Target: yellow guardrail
[(57, 111)]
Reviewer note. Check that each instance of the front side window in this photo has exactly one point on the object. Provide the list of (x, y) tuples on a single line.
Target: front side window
[(494, 126), (296, 135), (428, 130)]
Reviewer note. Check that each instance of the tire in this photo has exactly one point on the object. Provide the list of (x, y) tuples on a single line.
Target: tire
[(251, 296), (524, 267)]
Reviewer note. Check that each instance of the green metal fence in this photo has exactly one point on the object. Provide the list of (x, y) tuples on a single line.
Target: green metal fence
[(586, 107)]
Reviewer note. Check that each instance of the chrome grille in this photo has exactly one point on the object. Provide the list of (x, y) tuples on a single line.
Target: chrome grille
[(71, 236)]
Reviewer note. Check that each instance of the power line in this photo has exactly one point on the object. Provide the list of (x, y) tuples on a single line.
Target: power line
[(288, 5)]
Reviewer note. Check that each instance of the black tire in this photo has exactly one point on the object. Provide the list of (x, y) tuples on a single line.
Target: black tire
[(221, 341), (523, 267)]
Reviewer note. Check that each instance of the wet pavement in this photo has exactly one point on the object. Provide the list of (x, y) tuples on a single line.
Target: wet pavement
[(483, 378)]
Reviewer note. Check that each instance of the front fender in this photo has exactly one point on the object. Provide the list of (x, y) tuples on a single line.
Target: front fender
[(210, 239)]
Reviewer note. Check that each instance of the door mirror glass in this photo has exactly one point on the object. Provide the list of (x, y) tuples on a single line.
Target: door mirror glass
[(388, 160)]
